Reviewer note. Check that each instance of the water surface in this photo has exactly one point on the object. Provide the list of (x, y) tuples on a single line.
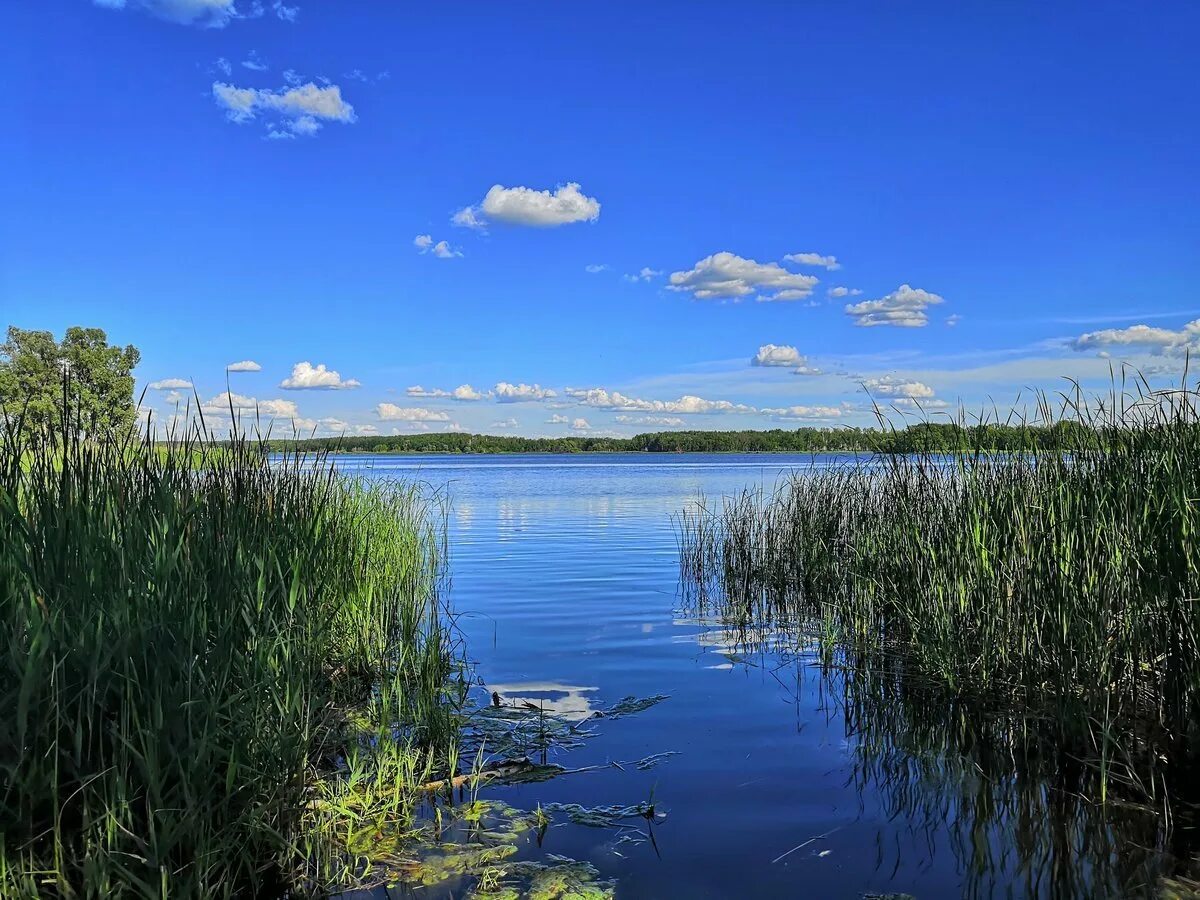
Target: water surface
[(565, 577)]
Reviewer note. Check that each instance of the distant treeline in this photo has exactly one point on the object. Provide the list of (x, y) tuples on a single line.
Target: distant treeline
[(927, 437)]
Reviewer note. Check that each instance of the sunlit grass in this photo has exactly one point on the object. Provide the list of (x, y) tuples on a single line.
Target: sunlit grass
[(217, 667)]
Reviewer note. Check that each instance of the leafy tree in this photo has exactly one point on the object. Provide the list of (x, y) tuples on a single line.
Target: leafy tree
[(96, 378)]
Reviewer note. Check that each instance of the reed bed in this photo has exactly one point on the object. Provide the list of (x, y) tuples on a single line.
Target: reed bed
[(1062, 582), (217, 667)]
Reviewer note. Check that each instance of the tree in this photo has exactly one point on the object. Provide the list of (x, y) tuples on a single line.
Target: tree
[(97, 377)]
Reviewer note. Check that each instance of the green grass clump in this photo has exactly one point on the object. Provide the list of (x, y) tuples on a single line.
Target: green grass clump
[(209, 658), (1064, 581)]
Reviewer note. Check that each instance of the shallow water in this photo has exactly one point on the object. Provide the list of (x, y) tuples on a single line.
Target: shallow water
[(564, 575)]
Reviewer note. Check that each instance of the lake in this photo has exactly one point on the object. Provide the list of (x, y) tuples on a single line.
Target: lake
[(564, 576)]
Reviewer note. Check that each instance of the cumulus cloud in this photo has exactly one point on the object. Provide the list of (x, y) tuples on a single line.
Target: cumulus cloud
[(804, 412), (558, 419), (887, 386), (170, 384), (813, 259), (245, 365), (595, 268), (303, 108), (442, 249), (518, 393), (510, 422), (1143, 338), (904, 307), (463, 392), (307, 377), (840, 291), (644, 274), (526, 206), (207, 13), (390, 412), (687, 404), (777, 355), (579, 424), (222, 403), (727, 276), (666, 421)]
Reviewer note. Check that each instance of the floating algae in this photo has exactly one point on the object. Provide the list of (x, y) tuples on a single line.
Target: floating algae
[(558, 879), (604, 816)]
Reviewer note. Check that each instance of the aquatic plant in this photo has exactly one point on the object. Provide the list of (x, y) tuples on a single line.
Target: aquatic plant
[(217, 666), (1050, 588)]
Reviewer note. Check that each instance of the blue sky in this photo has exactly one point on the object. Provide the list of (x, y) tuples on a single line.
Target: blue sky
[(652, 192)]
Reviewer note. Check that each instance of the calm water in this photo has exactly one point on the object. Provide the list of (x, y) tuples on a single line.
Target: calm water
[(564, 571)]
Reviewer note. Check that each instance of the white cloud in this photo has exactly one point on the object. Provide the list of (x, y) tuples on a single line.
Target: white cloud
[(904, 307), (595, 268), (777, 355), (813, 259), (510, 422), (805, 412), (170, 384), (1144, 338), (286, 13), (526, 206), (463, 392), (725, 275), (307, 377), (557, 419), (221, 404), (887, 386), (245, 365), (390, 412), (688, 404), (668, 421), (254, 63), (224, 66), (840, 291), (517, 393), (645, 274), (442, 249), (580, 424), (953, 319), (304, 107), (209, 13), (920, 403)]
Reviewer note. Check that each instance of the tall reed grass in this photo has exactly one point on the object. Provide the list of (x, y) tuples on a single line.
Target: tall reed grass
[(1063, 582), (215, 666)]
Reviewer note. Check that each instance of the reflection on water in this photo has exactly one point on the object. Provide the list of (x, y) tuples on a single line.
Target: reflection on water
[(570, 702), (795, 775)]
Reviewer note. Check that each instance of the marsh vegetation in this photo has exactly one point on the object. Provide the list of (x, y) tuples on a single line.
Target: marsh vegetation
[(1031, 615)]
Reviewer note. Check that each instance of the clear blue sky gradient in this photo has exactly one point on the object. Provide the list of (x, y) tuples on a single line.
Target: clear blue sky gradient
[(1034, 164)]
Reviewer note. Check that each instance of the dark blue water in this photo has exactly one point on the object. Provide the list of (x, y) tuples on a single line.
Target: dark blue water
[(564, 574)]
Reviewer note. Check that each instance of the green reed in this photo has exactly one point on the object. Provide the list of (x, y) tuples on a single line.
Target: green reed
[(1063, 581), (210, 658)]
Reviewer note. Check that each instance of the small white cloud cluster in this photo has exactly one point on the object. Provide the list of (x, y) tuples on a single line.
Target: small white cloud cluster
[(813, 259), (577, 424), (521, 393), (887, 386), (841, 291), (664, 421), (1144, 338), (222, 404), (463, 392), (170, 384), (303, 108), (783, 356), (208, 13), (442, 249), (307, 377), (688, 404), (245, 365), (904, 307), (727, 276), (644, 274), (804, 412), (525, 206), (390, 412)]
